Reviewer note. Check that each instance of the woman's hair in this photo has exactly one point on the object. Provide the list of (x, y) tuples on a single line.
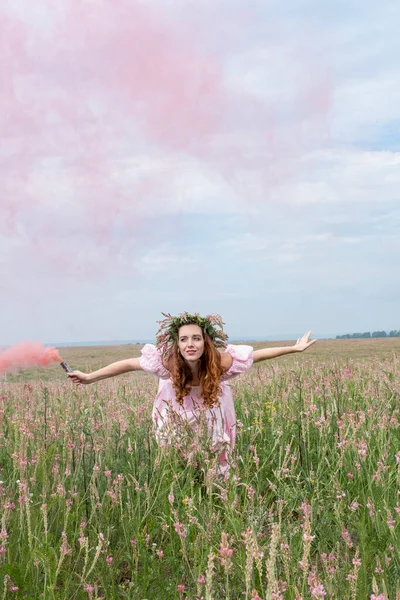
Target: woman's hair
[(210, 372)]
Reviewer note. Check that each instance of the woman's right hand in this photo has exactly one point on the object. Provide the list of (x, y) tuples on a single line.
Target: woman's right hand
[(79, 378)]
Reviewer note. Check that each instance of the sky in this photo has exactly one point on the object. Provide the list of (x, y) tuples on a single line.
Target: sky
[(239, 157)]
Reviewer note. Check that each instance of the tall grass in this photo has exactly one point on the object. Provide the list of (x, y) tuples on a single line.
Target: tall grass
[(92, 508)]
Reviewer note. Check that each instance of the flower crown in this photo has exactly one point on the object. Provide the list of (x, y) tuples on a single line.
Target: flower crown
[(167, 335)]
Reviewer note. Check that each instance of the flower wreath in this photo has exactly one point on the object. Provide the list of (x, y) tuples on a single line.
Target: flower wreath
[(167, 335)]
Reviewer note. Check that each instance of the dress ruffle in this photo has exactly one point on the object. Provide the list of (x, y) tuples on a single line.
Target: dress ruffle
[(242, 360), (151, 361)]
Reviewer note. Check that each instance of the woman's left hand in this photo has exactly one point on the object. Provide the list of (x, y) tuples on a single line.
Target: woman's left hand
[(304, 342)]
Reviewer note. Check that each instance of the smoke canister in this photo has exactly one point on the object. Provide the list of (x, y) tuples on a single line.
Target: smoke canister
[(66, 367)]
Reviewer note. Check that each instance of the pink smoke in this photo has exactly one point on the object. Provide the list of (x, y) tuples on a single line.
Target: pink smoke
[(27, 354), (103, 102)]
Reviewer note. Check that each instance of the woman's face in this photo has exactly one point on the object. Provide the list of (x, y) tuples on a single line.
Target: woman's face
[(191, 342)]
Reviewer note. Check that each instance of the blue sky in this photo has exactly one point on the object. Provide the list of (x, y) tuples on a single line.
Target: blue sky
[(273, 201)]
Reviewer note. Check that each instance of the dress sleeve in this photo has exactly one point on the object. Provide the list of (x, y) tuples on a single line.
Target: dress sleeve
[(242, 359), (151, 361)]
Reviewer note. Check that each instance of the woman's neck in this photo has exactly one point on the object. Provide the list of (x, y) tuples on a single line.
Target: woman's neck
[(194, 369)]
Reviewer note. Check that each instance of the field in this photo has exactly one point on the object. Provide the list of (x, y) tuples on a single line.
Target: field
[(92, 508)]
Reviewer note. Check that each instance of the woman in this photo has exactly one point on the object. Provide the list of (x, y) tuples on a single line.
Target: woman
[(193, 388)]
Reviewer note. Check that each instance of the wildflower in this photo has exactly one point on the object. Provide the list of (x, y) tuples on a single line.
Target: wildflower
[(255, 595), (64, 548), (317, 590), (391, 523), (180, 529), (250, 492), (346, 537), (225, 551), (362, 448), (88, 588), (371, 508), (305, 508), (109, 560)]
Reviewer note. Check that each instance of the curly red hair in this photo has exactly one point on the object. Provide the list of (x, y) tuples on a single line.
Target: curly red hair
[(210, 371)]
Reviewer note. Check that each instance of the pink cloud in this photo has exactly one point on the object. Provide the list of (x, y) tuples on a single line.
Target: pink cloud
[(95, 83)]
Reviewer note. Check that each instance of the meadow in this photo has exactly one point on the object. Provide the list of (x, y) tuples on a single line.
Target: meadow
[(91, 507)]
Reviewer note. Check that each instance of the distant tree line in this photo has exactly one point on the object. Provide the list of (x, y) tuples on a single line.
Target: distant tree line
[(368, 334)]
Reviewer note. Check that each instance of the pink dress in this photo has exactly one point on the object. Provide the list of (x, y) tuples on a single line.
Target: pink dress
[(221, 419)]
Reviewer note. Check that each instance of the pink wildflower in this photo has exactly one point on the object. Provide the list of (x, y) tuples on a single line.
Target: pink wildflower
[(347, 538), (64, 548), (225, 552), (250, 492), (317, 590), (88, 588)]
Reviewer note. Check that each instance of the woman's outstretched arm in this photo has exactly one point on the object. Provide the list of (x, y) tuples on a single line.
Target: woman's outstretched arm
[(115, 368), (302, 344)]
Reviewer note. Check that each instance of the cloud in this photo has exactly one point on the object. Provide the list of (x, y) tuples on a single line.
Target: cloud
[(343, 176)]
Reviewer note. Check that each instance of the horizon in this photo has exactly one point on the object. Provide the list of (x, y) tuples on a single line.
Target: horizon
[(232, 339)]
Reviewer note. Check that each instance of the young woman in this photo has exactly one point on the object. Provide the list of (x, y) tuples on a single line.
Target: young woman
[(194, 374)]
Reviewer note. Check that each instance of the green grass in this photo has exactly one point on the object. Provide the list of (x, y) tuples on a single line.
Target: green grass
[(314, 486)]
